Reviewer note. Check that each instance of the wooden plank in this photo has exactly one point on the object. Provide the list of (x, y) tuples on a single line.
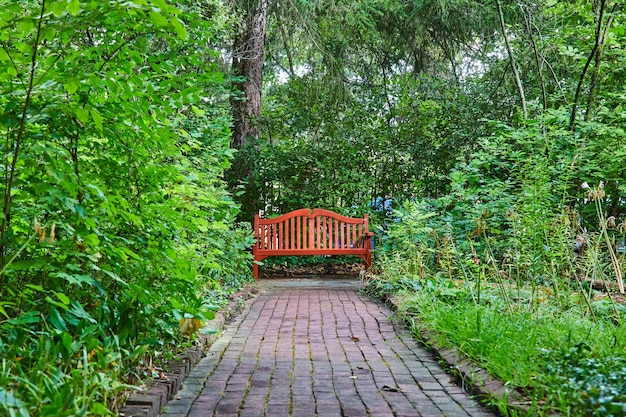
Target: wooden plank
[(298, 233), (322, 236), (311, 242), (292, 241)]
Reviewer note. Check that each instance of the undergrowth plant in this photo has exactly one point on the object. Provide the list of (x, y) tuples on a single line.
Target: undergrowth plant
[(115, 221), (492, 269)]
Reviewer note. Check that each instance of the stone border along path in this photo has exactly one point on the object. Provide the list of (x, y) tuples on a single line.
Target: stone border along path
[(308, 348)]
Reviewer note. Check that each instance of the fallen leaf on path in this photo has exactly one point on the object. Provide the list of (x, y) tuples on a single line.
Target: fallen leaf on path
[(389, 389)]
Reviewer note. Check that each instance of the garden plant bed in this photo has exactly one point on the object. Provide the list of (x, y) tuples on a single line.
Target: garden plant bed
[(474, 379), (150, 401), (543, 354)]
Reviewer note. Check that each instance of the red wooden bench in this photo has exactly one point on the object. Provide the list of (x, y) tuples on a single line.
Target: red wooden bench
[(311, 232)]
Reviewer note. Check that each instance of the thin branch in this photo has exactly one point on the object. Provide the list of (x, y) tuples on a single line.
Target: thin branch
[(518, 81), (538, 58), (598, 61), (572, 119)]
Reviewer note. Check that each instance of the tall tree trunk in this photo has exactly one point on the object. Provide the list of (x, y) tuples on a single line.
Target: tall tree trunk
[(247, 68), (248, 55)]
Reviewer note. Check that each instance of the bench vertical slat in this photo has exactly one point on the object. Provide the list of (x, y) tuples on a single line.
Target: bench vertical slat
[(318, 238), (274, 236), (336, 235), (281, 235), (298, 233), (353, 243), (316, 241), (292, 244), (322, 235), (311, 234), (322, 232)]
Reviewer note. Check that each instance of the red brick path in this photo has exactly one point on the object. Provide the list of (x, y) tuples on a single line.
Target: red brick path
[(318, 352)]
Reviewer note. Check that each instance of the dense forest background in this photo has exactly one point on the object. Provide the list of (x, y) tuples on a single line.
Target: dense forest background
[(139, 137)]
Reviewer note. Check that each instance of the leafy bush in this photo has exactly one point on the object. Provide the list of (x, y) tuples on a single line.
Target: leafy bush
[(115, 221)]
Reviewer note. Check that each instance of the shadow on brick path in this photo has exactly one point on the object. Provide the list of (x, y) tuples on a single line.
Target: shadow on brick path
[(315, 347)]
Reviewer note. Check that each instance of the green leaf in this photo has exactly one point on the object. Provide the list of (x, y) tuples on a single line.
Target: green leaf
[(71, 86), (3, 311), (11, 71), (26, 318), (35, 287), (158, 19), (58, 8), (161, 4), (73, 7), (26, 24), (99, 409), (79, 311), (57, 320), (207, 314), (64, 298), (179, 27), (56, 303), (4, 56), (82, 114), (97, 118), (74, 278)]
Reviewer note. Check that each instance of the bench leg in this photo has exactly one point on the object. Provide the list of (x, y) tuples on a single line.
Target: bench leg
[(255, 270)]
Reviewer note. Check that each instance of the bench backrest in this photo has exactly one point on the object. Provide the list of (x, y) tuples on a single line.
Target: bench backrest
[(310, 230)]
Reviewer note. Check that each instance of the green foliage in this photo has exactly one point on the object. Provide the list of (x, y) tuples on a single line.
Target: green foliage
[(115, 219), (473, 318), (595, 385)]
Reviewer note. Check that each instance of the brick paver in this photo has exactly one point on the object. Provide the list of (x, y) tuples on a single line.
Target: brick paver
[(318, 352)]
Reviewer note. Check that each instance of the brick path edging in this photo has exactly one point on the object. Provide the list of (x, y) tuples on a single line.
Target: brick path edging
[(149, 403), (474, 379)]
